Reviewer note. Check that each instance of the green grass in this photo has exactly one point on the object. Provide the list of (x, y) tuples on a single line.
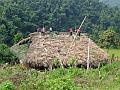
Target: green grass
[(113, 51), (105, 78), (20, 51)]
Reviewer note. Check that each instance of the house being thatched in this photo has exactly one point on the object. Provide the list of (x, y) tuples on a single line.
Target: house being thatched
[(48, 52)]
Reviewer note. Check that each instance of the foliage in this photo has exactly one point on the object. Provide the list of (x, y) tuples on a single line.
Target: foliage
[(7, 85), (5, 54), (72, 61), (19, 51), (112, 2), (56, 62), (109, 38), (57, 84), (17, 37), (116, 52), (104, 78), (26, 15)]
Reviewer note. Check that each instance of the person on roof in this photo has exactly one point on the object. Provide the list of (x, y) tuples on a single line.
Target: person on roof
[(38, 29), (70, 31), (43, 31), (75, 30), (50, 29), (78, 32)]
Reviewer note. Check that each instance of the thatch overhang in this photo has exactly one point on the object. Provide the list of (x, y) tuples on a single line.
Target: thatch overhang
[(49, 52)]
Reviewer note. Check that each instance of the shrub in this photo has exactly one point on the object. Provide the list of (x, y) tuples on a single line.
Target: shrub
[(7, 86), (17, 37), (71, 62), (40, 85), (5, 54), (57, 84), (56, 62)]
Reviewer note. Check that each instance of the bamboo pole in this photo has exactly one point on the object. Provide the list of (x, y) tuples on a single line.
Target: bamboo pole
[(77, 31), (88, 57), (82, 22), (80, 27)]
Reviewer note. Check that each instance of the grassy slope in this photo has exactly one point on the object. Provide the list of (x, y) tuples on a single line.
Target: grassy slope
[(19, 51), (113, 51), (107, 78)]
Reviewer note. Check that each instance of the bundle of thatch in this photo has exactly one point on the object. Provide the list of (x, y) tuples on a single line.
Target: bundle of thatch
[(47, 52)]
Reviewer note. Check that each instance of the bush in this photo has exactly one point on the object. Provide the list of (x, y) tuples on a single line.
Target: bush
[(57, 84), (7, 86), (56, 62), (5, 54), (17, 37), (71, 62), (109, 38)]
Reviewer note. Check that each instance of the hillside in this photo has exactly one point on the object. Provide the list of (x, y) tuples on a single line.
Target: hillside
[(18, 18), (112, 2), (19, 78)]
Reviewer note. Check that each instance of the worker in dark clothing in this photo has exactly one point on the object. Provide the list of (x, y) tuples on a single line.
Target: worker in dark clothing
[(43, 31), (38, 29), (71, 31), (78, 32)]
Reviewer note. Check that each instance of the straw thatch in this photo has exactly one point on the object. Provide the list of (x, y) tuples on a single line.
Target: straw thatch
[(48, 52)]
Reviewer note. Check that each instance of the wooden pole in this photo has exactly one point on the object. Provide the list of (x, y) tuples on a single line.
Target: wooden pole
[(88, 58), (80, 27), (77, 33), (82, 22)]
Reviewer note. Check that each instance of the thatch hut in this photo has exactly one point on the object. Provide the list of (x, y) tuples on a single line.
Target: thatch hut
[(46, 52)]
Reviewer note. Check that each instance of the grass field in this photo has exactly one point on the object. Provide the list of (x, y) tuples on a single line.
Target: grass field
[(19, 78), (116, 52)]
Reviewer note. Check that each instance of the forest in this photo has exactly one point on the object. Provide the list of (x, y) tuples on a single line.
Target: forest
[(112, 3), (18, 18)]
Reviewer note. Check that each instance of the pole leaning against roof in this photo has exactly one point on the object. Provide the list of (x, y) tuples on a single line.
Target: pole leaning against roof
[(80, 27), (77, 32), (82, 22)]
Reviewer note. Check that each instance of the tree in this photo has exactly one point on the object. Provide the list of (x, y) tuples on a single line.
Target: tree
[(26, 15), (17, 37), (5, 54), (109, 38)]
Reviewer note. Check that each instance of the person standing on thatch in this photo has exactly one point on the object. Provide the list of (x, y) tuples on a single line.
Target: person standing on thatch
[(78, 32), (75, 30), (43, 31), (38, 29), (70, 31), (50, 29)]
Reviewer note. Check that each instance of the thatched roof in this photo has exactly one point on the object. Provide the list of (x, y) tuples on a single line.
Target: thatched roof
[(48, 52)]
